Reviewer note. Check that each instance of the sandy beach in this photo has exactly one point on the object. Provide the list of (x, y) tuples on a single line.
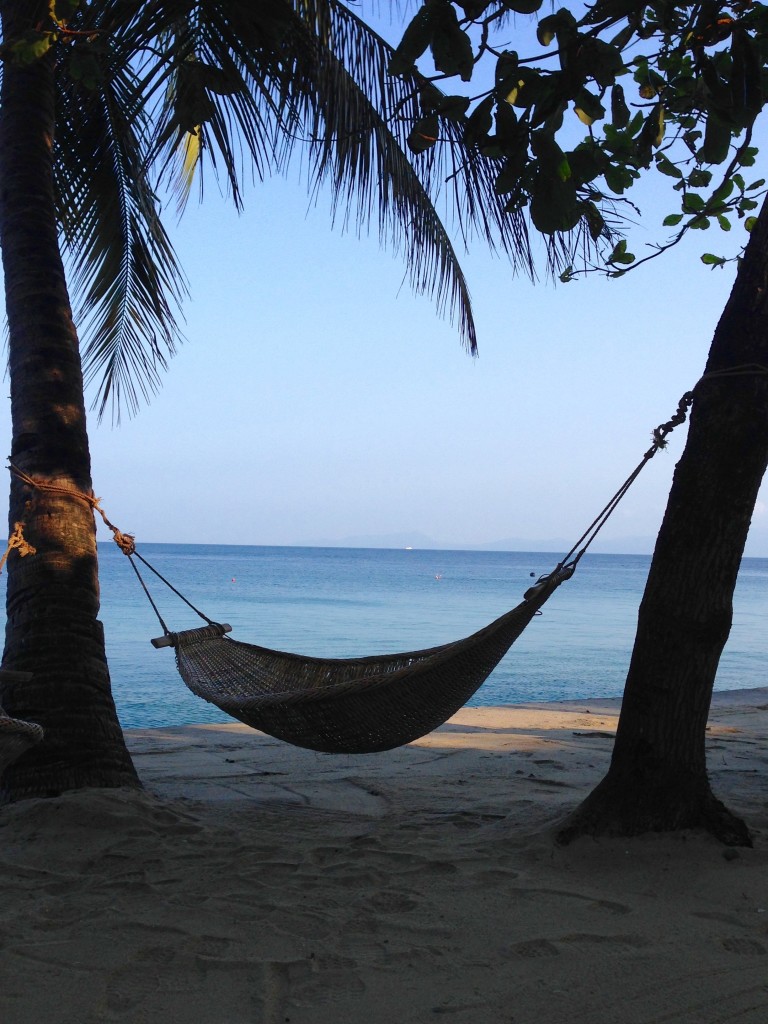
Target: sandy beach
[(252, 883)]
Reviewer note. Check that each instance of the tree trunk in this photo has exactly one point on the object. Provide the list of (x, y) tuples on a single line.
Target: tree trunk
[(52, 628), (658, 779)]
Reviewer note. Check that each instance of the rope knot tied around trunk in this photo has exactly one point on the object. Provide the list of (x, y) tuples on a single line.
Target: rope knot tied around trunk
[(125, 541)]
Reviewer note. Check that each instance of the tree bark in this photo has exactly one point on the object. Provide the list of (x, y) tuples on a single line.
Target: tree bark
[(52, 628), (658, 779)]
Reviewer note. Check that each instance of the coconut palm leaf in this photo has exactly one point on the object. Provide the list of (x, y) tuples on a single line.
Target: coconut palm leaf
[(319, 81), (124, 275), (188, 88)]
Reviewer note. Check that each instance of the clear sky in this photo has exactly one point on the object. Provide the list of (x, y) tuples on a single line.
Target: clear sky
[(318, 401)]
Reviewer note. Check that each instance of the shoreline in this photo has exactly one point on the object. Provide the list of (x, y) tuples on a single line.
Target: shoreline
[(255, 883)]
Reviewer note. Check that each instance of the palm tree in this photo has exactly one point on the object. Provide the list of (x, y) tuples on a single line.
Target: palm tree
[(104, 104)]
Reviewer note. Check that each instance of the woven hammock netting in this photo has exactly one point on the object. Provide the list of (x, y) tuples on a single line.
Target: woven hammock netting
[(350, 705)]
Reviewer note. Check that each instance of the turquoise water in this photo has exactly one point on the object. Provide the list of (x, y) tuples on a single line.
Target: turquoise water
[(341, 602)]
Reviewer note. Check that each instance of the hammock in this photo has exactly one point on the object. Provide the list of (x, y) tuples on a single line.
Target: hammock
[(16, 735), (348, 705)]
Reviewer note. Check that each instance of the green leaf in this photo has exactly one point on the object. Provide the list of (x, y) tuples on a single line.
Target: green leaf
[(508, 179), (451, 46), (672, 220), (595, 221), (722, 192), (62, 10), (32, 46), (724, 223), (415, 41), (84, 67), (545, 30), (693, 203), (588, 107), (618, 178), (619, 108), (473, 8), (717, 140), (424, 134), (554, 204), (552, 159), (527, 88), (750, 222), (454, 107), (479, 122), (666, 166), (587, 161), (523, 6), (699, 178), (710, 260), (561, 25), (605, 61)]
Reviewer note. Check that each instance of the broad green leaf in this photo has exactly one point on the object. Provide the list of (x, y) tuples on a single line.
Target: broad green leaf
[(424, 134), (32, 46), (604, 61), (666, 166), (693, 202), (619, 109), (620, 254), (699, 178), (717, 140), (554, 204), (672, 220), (523, 6), (588, 107), (62, 10), (415, 41), (560, 25), (479, 122), (454, 107), (587, 161), (552, 159), (451, 46)]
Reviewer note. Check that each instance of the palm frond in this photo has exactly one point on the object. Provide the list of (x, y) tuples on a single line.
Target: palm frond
[(221, 85), (254, 83), (358, 121), (125, 276)]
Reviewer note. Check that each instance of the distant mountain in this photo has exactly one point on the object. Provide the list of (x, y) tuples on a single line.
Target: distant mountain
[(757, 546)]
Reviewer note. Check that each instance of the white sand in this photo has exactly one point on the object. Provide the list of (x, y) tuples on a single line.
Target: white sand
[(252, 883)]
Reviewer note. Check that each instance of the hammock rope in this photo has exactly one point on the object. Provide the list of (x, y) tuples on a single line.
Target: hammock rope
[(366, 704)]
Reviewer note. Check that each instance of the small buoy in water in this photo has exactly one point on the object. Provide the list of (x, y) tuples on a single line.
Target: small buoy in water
[(531, 573)]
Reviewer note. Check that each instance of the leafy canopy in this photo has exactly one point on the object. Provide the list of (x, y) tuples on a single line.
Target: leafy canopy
[(155, 96), (601, 94)]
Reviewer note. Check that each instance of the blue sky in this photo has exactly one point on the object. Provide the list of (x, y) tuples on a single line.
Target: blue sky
[(318, 401)]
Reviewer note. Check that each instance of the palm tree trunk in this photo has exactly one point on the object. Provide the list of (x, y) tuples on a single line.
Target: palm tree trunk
[(658, 778), (52, 628)]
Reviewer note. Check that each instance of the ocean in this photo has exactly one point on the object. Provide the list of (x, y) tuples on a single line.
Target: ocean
[(339, 602)]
